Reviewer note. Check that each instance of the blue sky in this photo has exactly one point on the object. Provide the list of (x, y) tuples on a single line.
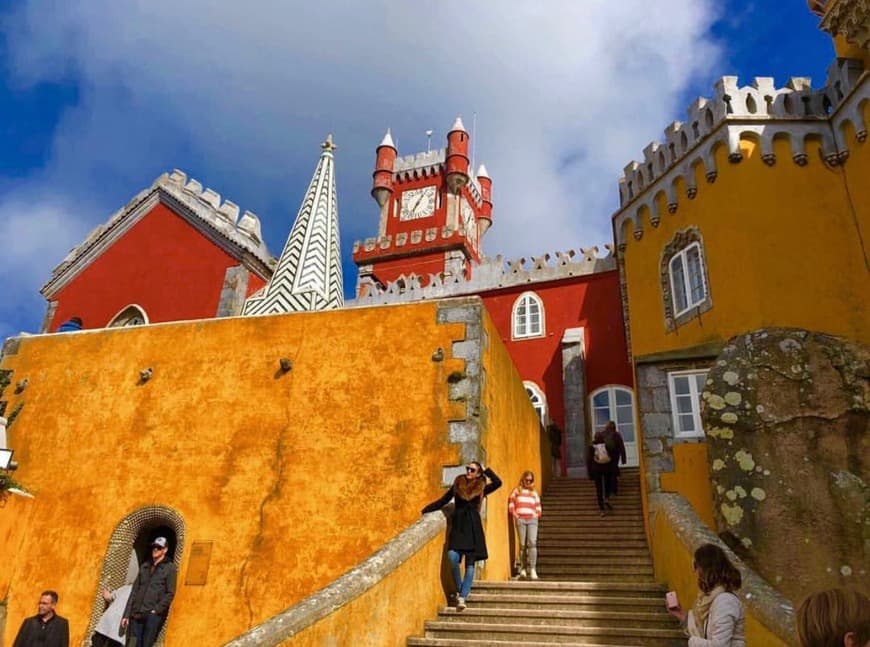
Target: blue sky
[(98, 98)]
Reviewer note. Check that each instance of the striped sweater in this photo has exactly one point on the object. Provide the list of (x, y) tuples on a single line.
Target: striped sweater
[(524, 504)]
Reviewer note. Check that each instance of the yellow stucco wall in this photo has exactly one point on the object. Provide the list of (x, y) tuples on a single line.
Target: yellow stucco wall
[(673, 567), (371, 621), (691, 478), (512, 441), (294, 477), (780, 246)]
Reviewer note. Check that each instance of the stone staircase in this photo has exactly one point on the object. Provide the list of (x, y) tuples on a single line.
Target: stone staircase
[(596, 587)]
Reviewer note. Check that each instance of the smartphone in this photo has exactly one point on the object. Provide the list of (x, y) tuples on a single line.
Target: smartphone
[(671, 600)]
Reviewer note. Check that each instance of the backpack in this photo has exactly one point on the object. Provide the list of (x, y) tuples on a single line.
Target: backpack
[(600, 454)]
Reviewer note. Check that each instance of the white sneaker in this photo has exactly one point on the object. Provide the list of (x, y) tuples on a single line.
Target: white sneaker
[(534, 574), (460, 604), (522, 573)]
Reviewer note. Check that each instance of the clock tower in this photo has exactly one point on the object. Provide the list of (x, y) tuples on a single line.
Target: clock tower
[(433, 213)]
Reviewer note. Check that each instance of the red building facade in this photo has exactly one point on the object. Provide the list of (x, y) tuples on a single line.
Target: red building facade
[(174, 252), (560, 317)]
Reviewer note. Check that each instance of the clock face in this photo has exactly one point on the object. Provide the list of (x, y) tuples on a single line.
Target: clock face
[(418, 203), (468, 220)]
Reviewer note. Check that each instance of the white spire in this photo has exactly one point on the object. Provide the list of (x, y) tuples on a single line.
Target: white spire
[(457, 125), (388, 140), (481, 171), (308, 274)]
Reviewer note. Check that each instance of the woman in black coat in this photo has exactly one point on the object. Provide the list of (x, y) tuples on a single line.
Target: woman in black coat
[(466, 538)]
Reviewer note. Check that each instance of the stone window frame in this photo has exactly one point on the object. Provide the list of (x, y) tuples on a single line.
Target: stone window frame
[(526, 300), (127, 316), (699, 433), (539, 401), (680, 243)]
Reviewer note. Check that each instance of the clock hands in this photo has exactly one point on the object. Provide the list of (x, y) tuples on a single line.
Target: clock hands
[(416, 204)]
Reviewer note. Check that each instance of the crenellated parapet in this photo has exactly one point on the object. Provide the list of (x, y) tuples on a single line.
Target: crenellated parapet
[(405, 243), (429, 164), (761, 112), (492, 274), (202, 207)]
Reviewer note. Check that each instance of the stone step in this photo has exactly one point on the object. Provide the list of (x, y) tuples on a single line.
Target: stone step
[(614, 536), (582, 560), (572, 575), (601, 552), (469, 642), (588, 507), (561, 617), (593, 566), (575, 601), (580, 587), (521, 634), (609, 522)]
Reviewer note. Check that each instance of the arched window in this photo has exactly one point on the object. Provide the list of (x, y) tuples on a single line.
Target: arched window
[(538, 399), (685, 282), (132, 315), (688, 286), (616, 403), (528, 316)]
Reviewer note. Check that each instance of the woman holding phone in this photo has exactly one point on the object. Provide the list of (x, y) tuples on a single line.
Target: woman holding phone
[(717, 619)]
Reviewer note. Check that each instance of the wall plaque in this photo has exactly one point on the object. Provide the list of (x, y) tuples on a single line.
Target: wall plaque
[(197, 567)]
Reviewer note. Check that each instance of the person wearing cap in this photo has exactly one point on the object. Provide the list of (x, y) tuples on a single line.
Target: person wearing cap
[(151, 596)]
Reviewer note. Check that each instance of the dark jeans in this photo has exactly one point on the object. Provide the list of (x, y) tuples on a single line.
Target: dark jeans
[(99, 640), (145, 631), (602, 489), (612, 483)]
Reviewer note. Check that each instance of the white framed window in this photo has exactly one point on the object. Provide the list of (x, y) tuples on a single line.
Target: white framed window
[(688, 286), (539, 401), (685, 388), (132, 315), (528, 316)]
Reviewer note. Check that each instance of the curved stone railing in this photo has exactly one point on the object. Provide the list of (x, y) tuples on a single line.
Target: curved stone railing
[(762, 602), (351, 586)]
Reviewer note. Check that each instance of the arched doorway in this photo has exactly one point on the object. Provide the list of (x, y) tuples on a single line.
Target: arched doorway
[(129, 547)]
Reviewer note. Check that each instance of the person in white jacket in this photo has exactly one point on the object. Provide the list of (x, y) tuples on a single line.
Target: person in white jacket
[(717, 619)]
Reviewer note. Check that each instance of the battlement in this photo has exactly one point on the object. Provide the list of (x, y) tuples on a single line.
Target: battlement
[(760, 112), (491, 274), (186, 195), (405, 242), (430, 164), (421, 162)]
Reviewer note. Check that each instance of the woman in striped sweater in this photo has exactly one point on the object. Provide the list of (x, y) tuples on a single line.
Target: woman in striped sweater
[(524, 506)]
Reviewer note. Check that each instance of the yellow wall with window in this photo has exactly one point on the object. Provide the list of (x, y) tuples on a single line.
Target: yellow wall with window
[(784, 245)]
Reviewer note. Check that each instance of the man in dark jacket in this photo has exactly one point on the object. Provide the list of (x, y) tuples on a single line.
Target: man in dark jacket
[(46, 628), (151, 596)]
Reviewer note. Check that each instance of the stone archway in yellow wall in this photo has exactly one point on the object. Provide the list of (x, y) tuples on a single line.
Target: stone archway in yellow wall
[(134, 533)]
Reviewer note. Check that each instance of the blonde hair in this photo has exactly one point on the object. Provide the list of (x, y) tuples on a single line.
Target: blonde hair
[(825, 617), (523, 478)]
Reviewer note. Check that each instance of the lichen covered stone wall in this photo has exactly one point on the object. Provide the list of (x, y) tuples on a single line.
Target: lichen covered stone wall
[(786, 414)]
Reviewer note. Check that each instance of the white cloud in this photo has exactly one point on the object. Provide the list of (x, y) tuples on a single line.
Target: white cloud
[(36, 236), (566, 93)]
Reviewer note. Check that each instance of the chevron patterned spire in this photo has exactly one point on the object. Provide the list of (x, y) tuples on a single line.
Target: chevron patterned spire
[(308, 275)]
